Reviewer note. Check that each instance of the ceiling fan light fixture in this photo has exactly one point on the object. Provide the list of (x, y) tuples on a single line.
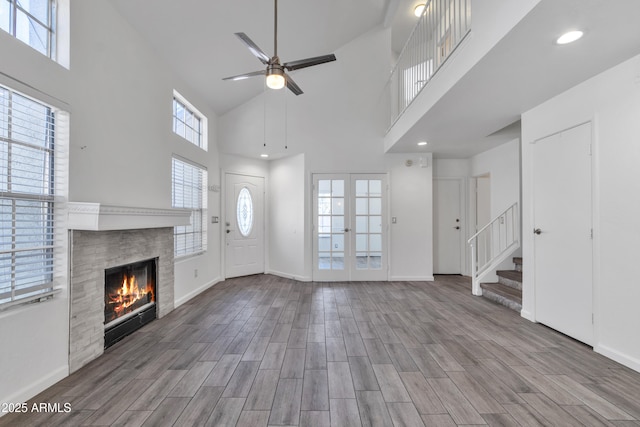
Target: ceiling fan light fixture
[(275, 77)]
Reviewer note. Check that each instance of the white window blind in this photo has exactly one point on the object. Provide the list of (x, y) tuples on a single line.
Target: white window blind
[(187, 123), (189, 192), (27, 191), (31, 21)]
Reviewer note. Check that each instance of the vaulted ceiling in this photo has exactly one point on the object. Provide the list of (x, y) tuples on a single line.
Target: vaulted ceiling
[(523, 70), (197, 37)]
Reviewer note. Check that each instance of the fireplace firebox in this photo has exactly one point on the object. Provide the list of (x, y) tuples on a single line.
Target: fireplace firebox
[(129, 299)]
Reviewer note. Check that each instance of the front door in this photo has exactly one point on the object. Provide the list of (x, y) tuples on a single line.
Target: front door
[(350, 228), (244, 225), (563, 232), (447, 230)]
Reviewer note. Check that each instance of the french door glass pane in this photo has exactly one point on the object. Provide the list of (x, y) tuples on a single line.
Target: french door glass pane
[(368, 224), (337, 188), (324, 188), (331, 224), (362, 206), (324, 242), (375, 206)]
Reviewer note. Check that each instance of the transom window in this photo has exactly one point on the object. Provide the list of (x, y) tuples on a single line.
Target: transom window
[(188, 122), (27, 191), (31, 21), (188, 192)]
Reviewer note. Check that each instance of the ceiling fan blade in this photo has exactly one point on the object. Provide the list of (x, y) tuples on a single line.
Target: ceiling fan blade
[(309, 62), (293, 87), (257, 52), (246, 75)]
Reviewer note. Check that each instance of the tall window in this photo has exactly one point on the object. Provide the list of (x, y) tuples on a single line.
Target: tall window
[(27, 190), (188, 122), (31, 21), (189, 192)]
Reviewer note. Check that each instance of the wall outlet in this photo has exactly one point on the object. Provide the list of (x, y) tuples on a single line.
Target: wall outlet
[(195, 273)]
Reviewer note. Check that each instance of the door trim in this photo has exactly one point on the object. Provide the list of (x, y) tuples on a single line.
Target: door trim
[(223, 218), (386, 209), (529, 277)]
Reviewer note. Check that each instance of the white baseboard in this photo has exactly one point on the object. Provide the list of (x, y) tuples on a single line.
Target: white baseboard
[(33, 389), (196, 292), (623, 359), (411, 279), (527, 315), (289, 276)]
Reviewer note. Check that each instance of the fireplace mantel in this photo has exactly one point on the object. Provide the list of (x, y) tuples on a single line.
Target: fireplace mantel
[(101, 217)]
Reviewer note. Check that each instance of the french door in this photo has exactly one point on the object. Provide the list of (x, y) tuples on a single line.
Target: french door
[(349, 227)]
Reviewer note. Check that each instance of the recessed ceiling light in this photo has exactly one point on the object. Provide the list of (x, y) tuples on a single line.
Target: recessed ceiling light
[(422, 143), (569, 37), (418, 10), (264, 155)]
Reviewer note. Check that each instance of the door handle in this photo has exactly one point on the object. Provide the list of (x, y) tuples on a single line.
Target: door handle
[(228, 231), (346, 230), (537, 231), (457, 227)]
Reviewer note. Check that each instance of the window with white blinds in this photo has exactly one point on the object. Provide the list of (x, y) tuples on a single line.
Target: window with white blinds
[(189, 183), (27, 190)]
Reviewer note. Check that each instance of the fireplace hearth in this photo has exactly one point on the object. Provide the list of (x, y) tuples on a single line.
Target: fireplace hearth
[(129, 299)]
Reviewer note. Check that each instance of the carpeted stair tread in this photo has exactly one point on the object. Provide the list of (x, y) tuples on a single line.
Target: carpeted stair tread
[(511, 275), (503, 294)]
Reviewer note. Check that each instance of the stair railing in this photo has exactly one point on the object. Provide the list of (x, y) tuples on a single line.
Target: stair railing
[(492, 244), (439, 30)]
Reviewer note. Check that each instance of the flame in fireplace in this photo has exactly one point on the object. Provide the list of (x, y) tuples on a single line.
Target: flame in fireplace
[(129, 294)]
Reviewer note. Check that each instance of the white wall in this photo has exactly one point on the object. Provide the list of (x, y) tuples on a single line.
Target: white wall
[(502, 163), (119, 95), (611, 101), (287, 217), (411, 202), (336, 124)]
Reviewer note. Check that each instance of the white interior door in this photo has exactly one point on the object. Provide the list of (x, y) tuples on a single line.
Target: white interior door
[(350, 227), (244, 225), (447, 230), (563, 232)]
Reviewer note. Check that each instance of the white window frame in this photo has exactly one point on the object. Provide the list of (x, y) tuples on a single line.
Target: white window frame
[(48, 240), (15, 7), (182, 196), (178, 123)]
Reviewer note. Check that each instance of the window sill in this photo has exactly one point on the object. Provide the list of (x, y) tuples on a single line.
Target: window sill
[(181, 258), (43, 297)]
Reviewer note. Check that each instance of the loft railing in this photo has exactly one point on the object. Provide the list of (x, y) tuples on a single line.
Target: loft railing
[(440, 29), (492, 244)]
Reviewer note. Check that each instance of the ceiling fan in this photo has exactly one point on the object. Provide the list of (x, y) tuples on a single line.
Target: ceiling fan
[(276, 74)]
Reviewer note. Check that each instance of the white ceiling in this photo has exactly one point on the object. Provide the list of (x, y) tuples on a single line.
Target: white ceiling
[(523, 70), (197, 36)]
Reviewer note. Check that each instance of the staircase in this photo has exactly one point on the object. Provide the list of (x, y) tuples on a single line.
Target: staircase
[(508, 290)]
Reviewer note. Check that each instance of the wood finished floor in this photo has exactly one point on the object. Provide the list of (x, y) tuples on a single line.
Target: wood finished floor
[(263, 350)]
